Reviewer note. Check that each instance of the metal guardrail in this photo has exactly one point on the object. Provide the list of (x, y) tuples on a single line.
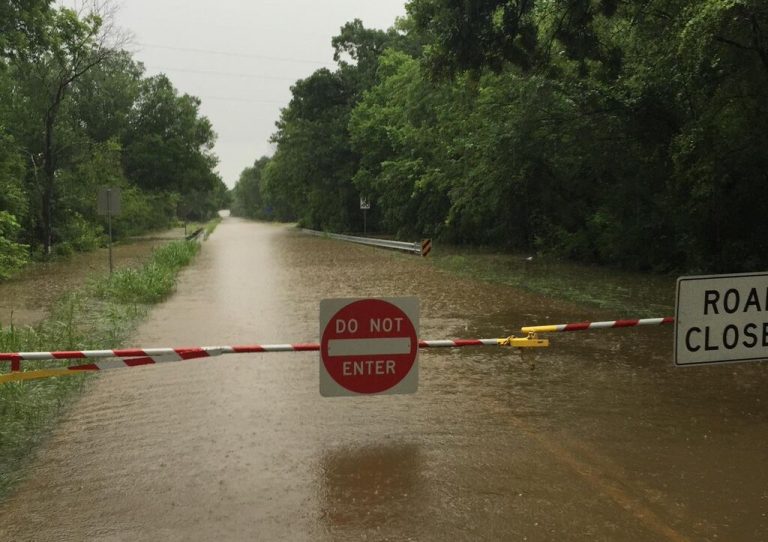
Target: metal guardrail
[(196, 235), (413, 248)]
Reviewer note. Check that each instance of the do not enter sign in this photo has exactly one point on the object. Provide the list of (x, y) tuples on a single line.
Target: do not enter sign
[(369, 346)]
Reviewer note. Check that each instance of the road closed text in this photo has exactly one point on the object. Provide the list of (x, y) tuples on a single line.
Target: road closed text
[(721, 318), (749, 336)]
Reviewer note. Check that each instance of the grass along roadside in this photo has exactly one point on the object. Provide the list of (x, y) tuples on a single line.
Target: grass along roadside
[(210, 226), (100, 315), (627, 295)]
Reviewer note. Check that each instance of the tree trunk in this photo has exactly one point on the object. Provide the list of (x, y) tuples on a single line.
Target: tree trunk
[(48, 181)]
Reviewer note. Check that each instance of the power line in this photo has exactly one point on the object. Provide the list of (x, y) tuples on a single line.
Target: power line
[(225, 74), (246, 100), (235, 54)]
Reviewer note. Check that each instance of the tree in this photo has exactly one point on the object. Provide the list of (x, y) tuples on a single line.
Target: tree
[(475, 34), (103, 99), (13, 205), (314, 164), (75, 114), (630, 134), (310, 175), (403, 164), (248, 195), (168, 145), (73, 46), (21, 25)]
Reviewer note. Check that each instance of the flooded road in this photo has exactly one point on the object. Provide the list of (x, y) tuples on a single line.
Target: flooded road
[(602, 439)]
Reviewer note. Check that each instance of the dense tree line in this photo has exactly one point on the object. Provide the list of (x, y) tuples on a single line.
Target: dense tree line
[(78, 113), (628, 133)]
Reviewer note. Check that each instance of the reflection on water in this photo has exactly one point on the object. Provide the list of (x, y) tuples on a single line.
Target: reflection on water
[(383, 482)]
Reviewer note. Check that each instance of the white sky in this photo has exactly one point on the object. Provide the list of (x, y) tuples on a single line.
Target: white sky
[(269, 45)]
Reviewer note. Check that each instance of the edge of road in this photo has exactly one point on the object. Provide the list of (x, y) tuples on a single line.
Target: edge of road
[(102, 313)]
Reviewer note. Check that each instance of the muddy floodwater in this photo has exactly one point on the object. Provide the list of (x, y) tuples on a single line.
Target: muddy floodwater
[(599, 438), (27, 298)]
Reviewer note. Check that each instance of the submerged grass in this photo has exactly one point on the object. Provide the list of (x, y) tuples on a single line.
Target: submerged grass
[(623, 293), (101, 315), (151, 283)]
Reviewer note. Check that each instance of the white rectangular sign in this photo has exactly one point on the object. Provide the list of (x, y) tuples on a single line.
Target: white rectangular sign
[(721, 318), (108, 201)]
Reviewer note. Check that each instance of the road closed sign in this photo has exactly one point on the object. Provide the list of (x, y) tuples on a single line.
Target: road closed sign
[(721, 318), (369, 346)]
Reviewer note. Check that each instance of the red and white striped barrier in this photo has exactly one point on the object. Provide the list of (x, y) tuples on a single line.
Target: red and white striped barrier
[(135, 357), (581, 326)]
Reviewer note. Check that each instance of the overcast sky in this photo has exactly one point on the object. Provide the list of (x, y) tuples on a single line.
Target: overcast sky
[(240, 57)]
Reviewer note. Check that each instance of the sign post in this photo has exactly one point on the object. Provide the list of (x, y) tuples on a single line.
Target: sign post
[(721, 319), (369, 346), (109, 204), (364, 206)]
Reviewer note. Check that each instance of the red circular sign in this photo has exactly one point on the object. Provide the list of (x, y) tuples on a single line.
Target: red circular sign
[(369, 346)]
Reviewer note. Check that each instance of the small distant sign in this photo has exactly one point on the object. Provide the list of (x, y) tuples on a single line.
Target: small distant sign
[(365, 204), (369, 346), (108, 202), (721, 319)]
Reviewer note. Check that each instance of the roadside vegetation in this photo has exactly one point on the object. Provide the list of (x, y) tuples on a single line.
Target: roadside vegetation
[(103, 314), (211, 225), (77, 113), (629, 134), (624, 294)]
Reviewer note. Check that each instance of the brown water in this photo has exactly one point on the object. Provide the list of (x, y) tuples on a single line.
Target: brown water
[(27, 298), (601, 440)]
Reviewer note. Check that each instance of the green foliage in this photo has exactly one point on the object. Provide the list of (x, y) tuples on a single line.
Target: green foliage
[(469, 35), (13, 255), (395, 129), (81, 235), (309, 178), (142, 211), (77, 114), (105, 98), (313, 175), (21, 24), (151, 283), (211, 225), (628, 134), (168, 148), (248, 195), (168, 145), (608, 289)]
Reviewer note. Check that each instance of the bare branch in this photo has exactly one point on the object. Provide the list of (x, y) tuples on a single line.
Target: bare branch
[(734, 43)]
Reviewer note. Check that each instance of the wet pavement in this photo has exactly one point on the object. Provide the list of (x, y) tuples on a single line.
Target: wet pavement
[(600, 439)]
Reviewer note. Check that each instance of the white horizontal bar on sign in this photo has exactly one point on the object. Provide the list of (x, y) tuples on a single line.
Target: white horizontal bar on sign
[(362, 347)]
